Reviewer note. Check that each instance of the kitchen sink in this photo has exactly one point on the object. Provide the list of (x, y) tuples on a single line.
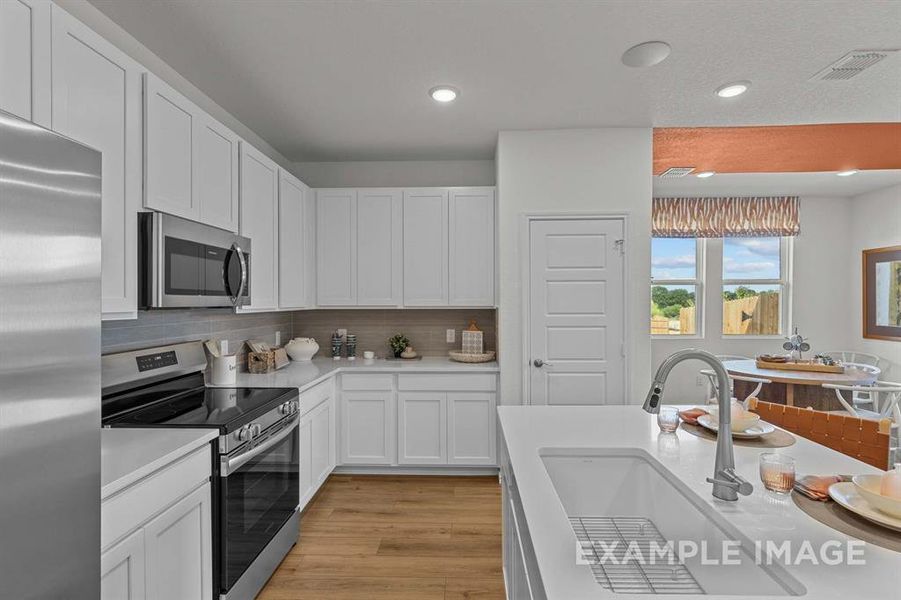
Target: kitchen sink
[(624, 507)]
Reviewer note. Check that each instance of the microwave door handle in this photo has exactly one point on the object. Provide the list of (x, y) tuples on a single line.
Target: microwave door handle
[(230, 465), (236, 299)]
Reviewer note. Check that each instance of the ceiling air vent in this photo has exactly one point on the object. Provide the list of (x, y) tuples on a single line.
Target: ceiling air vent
[(674, 172), (852, 64)]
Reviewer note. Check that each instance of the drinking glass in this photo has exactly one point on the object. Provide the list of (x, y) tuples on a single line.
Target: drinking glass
[(777, 472), (668, 419)]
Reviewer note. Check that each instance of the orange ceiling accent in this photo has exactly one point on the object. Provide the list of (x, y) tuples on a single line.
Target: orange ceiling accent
[(779, 149)]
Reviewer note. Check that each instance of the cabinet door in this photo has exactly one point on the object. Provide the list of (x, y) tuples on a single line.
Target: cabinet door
[(471, 247), (178, 544), (368, 428), (336, 247), (379, 247), (122, 569), (216, 173), (323, 418), (170, 123), (305, 435), (471, 429), (422, 428), (25, 59), (97, 101), (425, 247), (259, 222), (292, 238)]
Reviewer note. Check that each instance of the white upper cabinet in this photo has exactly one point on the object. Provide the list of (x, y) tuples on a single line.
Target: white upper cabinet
[(191, 160), (259, 222), (379, 247), (295, 232), (336, 247), (471, 247), (25, 59), (425, 247), (97, 101)]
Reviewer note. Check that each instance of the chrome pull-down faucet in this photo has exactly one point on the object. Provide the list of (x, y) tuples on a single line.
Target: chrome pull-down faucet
[(727, 484)]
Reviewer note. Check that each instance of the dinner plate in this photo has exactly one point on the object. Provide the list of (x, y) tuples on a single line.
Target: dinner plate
[(755, 431), (846, 494)]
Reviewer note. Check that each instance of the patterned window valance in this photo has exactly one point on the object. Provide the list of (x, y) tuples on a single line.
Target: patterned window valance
[(725, 217)]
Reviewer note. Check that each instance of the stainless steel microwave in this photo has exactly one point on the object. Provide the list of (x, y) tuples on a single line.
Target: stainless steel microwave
[(183, 264)]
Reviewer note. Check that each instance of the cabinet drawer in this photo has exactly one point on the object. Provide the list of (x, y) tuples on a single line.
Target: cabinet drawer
[(313, 397), (132, 507), (367, 382), (438, 382)]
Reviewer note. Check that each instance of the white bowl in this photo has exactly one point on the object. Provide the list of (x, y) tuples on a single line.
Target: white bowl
[(741, 419), (869, 487)]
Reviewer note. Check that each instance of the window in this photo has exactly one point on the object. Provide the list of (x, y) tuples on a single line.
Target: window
[(755, 285), (676, 286)]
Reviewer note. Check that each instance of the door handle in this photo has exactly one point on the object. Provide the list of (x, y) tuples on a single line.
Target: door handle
[(236, 300), (540, 363)]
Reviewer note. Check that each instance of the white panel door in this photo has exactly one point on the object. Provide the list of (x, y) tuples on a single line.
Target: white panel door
[(259, 222), (97, 101), (178, 544), (422, 428), (368, 428), (379, 247), (323, 458), (425, 247), (336, 247), (216, 176), (471, 429), (25, 59), (122, 569), (471, 247), (292, 242), (305, 435), (576, 311), (169, 130)]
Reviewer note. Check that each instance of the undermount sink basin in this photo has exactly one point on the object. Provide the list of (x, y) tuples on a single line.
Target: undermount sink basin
[(616, 496)]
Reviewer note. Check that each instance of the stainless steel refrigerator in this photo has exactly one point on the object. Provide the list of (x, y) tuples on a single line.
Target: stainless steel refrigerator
[(49, 364)]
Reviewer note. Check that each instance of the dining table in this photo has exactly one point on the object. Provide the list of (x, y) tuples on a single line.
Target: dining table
[(796, 388)]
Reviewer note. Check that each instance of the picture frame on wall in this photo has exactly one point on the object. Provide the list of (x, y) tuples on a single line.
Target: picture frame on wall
[(882, 293)]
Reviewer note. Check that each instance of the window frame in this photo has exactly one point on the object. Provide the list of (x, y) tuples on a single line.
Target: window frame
[(697, 282), (784, 281)]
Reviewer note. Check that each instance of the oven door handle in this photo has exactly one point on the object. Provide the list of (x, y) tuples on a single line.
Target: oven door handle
[(230, 465)]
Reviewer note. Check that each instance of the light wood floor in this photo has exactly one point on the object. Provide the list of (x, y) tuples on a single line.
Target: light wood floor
[(396, 538)]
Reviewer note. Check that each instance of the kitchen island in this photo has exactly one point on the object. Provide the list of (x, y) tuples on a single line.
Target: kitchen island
[(541, 561)]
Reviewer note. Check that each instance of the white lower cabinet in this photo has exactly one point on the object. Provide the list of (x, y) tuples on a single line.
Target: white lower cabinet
[(471, 429), (156, 535), (368, 428), (318, 449), (421, 428)]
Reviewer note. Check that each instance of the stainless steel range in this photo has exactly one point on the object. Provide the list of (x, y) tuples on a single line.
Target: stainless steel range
[(255, 459)]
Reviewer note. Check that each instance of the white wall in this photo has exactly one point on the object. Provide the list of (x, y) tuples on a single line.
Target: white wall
[(579, 170), (875, 223), (396, 173), (112, 32), (821, 297)]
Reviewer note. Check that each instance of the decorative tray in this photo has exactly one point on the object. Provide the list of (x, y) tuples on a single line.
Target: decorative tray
[(804, 365), (471, 358)]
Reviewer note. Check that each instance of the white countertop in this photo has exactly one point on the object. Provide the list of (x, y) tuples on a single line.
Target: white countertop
[(127, 455), (760, 516), (303, 375)]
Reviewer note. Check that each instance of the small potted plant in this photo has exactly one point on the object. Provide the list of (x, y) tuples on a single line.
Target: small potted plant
[(398, 342)]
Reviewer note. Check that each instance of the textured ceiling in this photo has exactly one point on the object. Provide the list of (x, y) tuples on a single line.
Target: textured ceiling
[(348, 80)]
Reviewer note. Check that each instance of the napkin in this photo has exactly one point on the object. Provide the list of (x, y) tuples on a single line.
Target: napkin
[(691, 415), (816, 487)]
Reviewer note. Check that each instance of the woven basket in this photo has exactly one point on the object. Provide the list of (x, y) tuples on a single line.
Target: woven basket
[(471, 358)]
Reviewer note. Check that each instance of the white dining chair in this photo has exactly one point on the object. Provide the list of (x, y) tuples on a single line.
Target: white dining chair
[(864, 398), (852, 356), (711, 379), (885, 394)]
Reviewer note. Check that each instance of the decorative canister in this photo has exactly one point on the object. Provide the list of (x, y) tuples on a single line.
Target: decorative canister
[(223, 369), (302, 349), (336, 346), (351, 341), (473, 342)]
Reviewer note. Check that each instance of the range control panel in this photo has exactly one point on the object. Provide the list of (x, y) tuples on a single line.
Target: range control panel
[(148, 362)]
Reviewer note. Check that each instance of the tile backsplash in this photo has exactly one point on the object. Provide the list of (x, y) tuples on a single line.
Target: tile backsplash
[(426, 328)]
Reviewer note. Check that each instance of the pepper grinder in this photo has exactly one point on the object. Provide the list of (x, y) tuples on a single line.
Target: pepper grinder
[(336, 346)]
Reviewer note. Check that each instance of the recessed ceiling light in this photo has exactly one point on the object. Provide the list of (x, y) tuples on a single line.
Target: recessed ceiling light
[(646, 54), (706, 174), (443, 93), (731, 90), (847, 172)]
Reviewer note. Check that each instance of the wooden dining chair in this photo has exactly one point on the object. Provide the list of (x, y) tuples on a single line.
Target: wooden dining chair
[(866, 440)]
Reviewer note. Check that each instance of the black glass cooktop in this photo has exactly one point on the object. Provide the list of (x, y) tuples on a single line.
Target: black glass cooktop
[(185, 402)]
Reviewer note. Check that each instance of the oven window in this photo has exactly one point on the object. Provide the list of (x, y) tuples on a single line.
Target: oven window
[(183, 267), (257, 499)]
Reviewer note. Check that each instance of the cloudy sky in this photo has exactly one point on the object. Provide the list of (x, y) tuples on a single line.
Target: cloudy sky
[(743, 258)]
